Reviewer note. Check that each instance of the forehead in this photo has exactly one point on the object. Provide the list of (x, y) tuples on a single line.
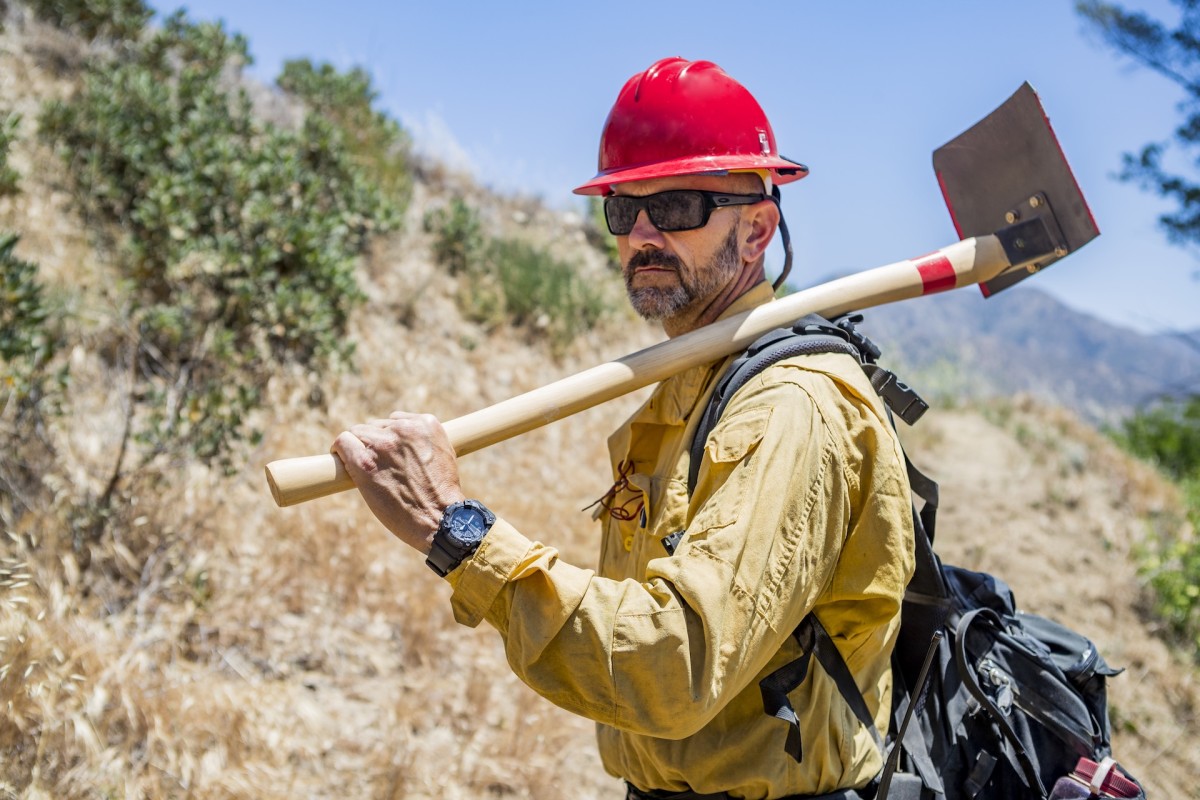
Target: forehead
[(732, 184)]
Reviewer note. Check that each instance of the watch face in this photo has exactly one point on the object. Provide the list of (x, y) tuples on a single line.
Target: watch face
[(467, 525)]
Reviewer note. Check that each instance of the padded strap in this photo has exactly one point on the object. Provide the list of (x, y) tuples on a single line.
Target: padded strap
[(817, 335)]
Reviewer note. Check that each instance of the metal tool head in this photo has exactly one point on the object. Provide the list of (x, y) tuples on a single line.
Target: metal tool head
[(1008, 169)]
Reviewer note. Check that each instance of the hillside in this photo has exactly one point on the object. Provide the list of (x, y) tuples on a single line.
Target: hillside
[(213, 645), (1024, 341)]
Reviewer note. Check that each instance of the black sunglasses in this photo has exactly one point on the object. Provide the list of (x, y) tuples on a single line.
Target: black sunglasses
[(674, 210)]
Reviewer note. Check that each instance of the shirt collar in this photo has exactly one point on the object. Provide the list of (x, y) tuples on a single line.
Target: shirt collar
[(674, 398)]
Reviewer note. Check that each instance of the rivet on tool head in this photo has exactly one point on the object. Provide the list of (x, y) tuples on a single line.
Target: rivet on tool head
[(1011, 216), (1035, 201)]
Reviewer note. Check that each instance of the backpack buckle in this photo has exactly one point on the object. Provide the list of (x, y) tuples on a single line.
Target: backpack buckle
[(869, 350), (899, 397)]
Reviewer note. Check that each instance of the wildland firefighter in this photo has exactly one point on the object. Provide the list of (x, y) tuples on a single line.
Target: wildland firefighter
[(801, 502)]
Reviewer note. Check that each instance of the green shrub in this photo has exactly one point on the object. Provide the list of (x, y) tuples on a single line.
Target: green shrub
[(543, 293), (117, 20), (509, 281), (31, 335), (238, 239), (1171, 566), (458, 240), (375, 142), (595, 229), (9, 179), (1168, 435)]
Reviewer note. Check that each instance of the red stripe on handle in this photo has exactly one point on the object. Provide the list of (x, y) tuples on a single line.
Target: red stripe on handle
[(936, 273)]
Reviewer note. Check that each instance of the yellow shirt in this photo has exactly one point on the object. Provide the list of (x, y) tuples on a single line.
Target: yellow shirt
[(802, 504)]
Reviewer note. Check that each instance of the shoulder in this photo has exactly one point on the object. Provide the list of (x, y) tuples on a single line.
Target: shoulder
[(826, 386), (822, 401)]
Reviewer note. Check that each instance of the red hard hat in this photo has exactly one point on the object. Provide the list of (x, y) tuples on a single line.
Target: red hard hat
[(683, 117)]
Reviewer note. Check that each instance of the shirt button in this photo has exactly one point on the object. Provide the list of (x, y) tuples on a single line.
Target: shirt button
[(628, 544)]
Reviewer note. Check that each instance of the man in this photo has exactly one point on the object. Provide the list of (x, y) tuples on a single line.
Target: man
[(801, 503)]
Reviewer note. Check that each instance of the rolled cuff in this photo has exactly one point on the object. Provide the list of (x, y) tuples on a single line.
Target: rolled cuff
[(479, 579)]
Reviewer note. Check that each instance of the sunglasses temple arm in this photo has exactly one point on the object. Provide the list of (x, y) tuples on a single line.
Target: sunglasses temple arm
[(787, 241)]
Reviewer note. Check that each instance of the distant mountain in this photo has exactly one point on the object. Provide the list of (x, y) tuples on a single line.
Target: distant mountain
[(958, 345)]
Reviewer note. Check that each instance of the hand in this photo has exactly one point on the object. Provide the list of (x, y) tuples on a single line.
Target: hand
[(406, 470)]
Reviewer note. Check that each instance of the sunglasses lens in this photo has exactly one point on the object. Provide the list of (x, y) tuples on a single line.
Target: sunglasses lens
[(680, 210), (620, 213), (676, 211)]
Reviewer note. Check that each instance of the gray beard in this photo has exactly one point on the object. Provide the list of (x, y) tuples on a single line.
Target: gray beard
[(664, 302)]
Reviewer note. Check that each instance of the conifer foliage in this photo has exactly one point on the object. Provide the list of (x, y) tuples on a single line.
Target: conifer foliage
[(1174, 53)]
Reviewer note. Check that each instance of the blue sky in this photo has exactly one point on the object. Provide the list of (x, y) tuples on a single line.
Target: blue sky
[(862, 92)]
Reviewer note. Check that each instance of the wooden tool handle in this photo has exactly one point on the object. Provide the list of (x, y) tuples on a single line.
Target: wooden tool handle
[(971, 261)]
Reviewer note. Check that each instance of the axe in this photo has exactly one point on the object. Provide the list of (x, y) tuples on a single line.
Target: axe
[(1016, 208)]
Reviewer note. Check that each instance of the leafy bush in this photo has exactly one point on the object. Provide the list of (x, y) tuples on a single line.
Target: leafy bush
[(118, 20), (31, 334), (511, 281), (595, 228), (1169, 435), (238, 239), (375, 142), (1172, 568), (9, 179), (542, 292), (458, 236)]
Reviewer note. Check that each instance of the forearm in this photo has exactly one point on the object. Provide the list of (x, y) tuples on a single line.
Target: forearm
[(660, 656), (586, 643)]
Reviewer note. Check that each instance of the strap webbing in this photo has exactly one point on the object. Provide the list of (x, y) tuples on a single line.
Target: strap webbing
[(813, 639)]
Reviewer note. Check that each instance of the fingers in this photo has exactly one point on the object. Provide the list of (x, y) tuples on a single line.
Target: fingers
[(421, 421), (357, 457), (363, 444)]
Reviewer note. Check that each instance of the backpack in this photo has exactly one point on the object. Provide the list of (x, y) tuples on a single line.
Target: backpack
[(988, 701)]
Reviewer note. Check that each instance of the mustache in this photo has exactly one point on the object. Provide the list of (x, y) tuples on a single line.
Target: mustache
[(653, 258)]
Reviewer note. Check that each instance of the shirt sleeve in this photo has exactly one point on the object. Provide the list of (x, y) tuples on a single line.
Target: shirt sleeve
[(662, 656)]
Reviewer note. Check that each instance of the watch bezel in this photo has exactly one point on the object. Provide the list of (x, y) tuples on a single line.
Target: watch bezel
[(447, 550)]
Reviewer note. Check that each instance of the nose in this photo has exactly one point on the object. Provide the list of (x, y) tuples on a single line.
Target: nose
[(644, 233)]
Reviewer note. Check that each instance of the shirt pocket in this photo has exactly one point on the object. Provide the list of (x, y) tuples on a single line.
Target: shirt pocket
[(624, 517), (721, 485)]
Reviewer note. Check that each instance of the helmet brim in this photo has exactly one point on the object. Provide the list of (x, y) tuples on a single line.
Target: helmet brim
[(782, 170)]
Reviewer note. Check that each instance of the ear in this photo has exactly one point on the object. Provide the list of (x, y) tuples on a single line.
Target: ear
[(757, 227)]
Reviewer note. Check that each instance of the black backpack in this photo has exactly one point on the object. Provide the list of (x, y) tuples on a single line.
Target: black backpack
[(988, 701)]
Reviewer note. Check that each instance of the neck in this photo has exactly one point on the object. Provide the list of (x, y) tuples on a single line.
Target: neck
[(706, 313)]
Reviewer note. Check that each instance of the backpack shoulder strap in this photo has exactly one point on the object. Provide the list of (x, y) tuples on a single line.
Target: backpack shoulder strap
[(810, 335)]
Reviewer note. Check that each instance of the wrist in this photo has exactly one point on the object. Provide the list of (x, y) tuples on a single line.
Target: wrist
[(459, 534)]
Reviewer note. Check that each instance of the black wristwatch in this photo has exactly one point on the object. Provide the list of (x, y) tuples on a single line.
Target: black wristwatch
[(459, 534)]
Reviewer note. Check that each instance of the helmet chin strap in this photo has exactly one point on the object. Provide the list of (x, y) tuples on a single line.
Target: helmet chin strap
[(787, 241)]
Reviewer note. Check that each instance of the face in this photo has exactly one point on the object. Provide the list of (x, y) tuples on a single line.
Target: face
[(669, 275)]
